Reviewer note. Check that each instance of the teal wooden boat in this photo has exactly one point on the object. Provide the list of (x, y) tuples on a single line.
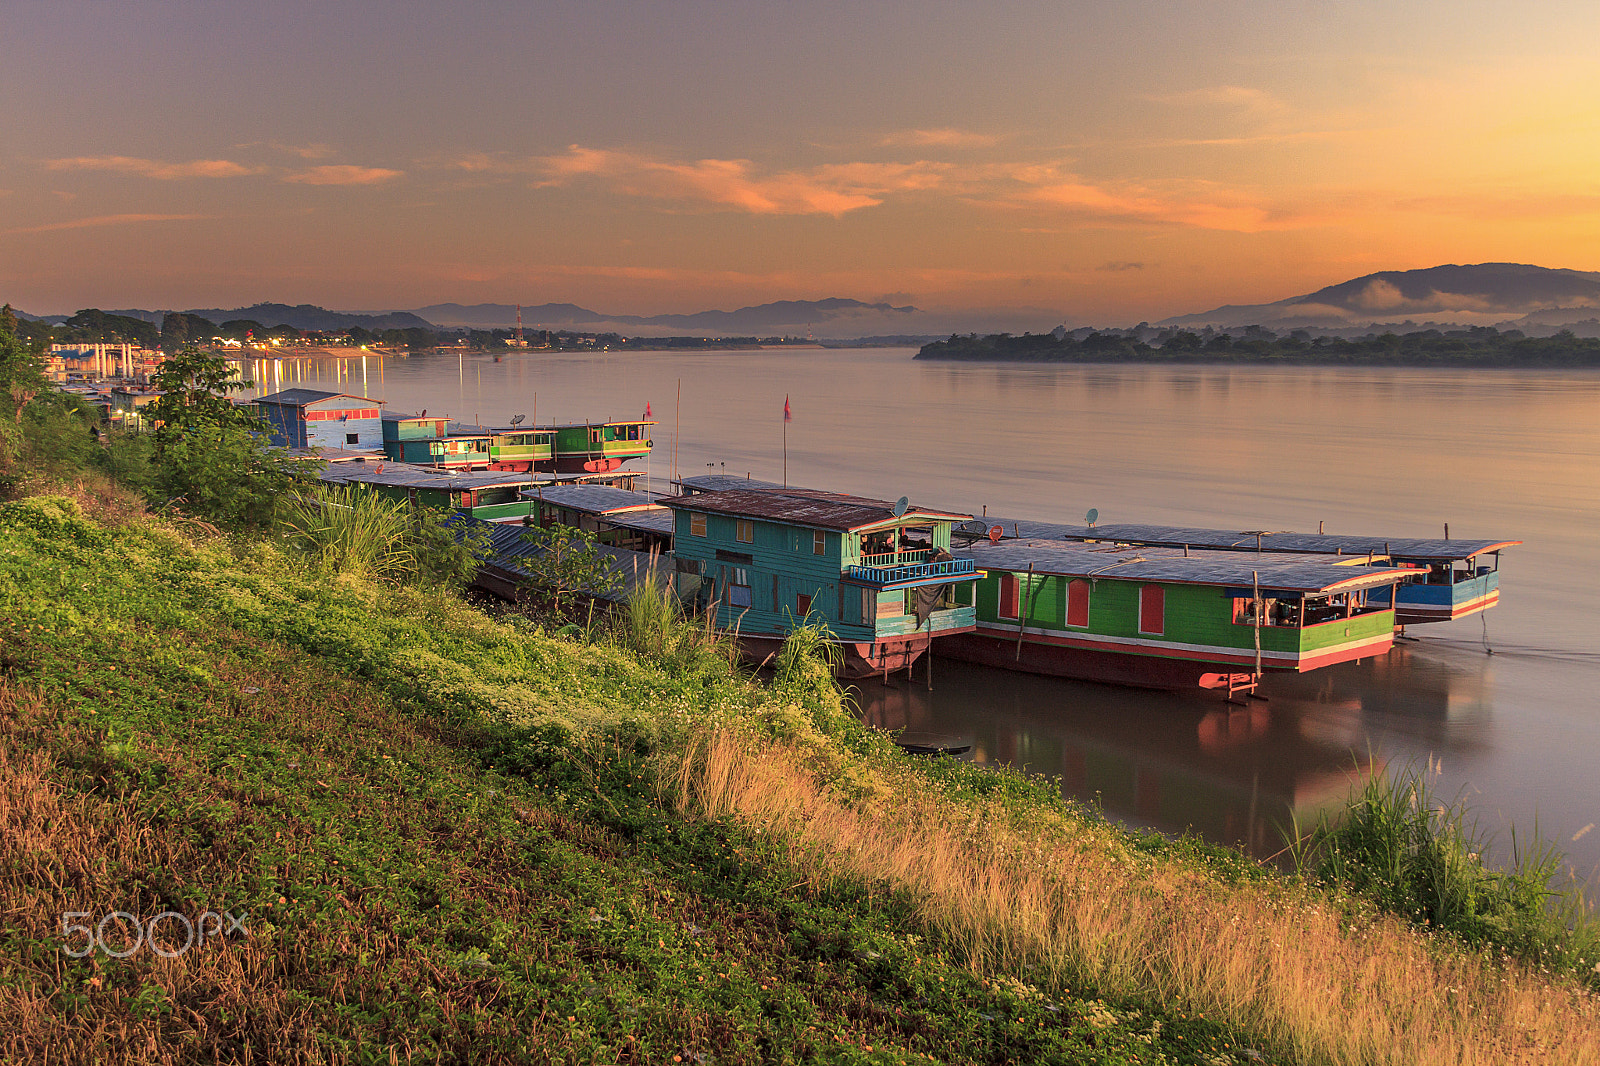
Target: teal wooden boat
[(879, 576)]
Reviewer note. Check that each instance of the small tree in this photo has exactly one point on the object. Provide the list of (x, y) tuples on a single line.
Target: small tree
[(569, 563), (211, 452)]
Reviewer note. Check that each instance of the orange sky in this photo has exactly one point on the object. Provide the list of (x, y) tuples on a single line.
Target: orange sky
[(1103, 163)]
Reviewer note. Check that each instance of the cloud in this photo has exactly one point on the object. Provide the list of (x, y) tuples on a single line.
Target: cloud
[(153, 168), (1202, 205), (941, 138), (105, 220), (1117, 268), (344, 174), (833, 189), (1231, 97)]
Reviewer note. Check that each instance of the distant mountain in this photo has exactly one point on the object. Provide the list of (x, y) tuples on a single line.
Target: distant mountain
[(1481, 294), (308, 316), (782, 316)]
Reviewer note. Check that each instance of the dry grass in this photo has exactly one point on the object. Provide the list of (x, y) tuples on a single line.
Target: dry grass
[(1076, 907)]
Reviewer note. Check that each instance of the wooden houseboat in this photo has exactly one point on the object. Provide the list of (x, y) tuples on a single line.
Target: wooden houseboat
[(503, 568), (1458, 577), (422, 440), (878, 575), (619, 518), (1163, 618), (599, 447), (486, 494), (312, 418), (515, 448)]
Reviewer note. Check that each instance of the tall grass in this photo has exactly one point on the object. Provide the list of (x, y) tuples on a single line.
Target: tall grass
[(357, 533), (364, 535), (1422, 860), (1069, 907), (652, 623)]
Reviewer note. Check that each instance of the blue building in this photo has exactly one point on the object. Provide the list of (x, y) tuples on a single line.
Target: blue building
[(880, 576), (310, 418)]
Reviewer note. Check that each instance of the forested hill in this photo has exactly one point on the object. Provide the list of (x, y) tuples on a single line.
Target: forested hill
[(1475, 346)]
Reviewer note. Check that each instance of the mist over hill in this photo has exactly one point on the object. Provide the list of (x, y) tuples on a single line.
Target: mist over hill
[(1480, 294)]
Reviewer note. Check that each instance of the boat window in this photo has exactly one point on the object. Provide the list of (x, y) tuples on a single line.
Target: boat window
[(697, 524), (1008, 596), (819, 542), (739, 588), (802, 605), (1078, 603), (633, 432), (744, 530), (1153, 610)]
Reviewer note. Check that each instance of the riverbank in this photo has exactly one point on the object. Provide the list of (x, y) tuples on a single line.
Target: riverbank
[(453, 835)]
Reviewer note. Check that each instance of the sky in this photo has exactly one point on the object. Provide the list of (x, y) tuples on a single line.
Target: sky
[(1103, 163)]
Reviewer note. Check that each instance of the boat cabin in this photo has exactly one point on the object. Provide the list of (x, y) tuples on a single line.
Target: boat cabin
[(599, 447), (311, 418), (618, 517), (879, 576), (1462, 577), (1169, 617)]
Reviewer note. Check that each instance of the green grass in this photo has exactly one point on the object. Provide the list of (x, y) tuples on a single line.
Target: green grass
[(446, 836)]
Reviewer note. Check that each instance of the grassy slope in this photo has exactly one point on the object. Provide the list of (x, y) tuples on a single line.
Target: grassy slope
[(447, 835)]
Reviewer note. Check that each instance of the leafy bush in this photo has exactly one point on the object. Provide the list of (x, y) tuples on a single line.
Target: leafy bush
[(362, 534)]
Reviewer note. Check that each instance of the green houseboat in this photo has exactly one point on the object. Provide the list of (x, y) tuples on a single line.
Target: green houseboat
[(422, 440), (494, 496), (1168, 618), (880, 576), (598, 447), (513, 448)]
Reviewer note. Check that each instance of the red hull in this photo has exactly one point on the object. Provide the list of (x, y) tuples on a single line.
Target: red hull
[(1083, 664), (861, 660)]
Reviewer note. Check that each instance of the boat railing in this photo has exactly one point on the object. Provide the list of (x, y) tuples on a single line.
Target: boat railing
[(900, 558), (889, 575)]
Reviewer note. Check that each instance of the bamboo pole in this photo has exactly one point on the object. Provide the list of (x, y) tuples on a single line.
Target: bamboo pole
[(1022, 613), (1255, 585)]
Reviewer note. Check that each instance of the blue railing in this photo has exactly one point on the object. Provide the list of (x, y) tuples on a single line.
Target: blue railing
[(890, 575)]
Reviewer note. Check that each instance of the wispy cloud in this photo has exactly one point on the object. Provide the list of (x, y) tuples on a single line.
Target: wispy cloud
[(344, 174), (1202, 205), (944, 137), (155, 168), (1117, 268), (105, 220), (1231, 97), (738, 184)]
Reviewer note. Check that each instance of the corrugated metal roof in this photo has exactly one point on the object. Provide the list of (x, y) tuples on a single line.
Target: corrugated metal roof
[(1412, 548), (729, 483), (508, 547), (591, 499), (303, 397), (411, 476), (825, 512), (1221, 568)]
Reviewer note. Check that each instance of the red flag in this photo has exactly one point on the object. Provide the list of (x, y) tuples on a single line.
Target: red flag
[(787, 417), (647, 410)]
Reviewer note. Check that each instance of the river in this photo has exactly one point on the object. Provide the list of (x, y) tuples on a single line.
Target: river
[(1391, 452)]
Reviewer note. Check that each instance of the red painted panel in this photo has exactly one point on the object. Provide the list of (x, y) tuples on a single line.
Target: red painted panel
[(1078, 603), (1153, 609), (1008, 596)]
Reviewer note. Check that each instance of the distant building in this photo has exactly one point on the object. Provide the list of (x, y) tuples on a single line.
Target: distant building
[(310, 418)]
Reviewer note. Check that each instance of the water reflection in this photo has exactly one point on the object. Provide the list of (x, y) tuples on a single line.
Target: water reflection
[(1180, 761)]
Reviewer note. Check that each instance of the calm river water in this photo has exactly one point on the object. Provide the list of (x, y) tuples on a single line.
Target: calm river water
[(1396, 452)]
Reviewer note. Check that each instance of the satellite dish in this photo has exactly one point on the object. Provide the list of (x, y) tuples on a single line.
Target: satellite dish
[(994, 534), (516, 420), (1092, 517), (900, 506)]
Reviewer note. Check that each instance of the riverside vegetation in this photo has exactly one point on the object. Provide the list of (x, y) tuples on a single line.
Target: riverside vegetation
[(456, 838)]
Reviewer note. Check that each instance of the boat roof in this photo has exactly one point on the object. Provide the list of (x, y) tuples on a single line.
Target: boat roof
[(507, 547), (1410, 548), (1228, 569), (396, 416), (592, 499), (305, 397), (828, 512), (412, 476), (704, 483)]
